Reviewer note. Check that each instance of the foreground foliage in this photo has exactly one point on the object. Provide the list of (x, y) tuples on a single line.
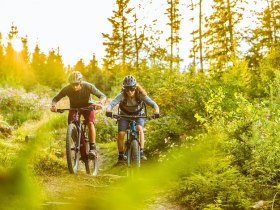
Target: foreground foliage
[(235, 116)]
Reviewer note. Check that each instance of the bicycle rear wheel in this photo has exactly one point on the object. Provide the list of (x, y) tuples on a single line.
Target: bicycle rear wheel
[(72, 154)]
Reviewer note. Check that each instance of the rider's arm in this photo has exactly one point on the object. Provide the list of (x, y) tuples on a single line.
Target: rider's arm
[(151, 103), (98, 93), (57, 98), (113, 103), (116, 100)]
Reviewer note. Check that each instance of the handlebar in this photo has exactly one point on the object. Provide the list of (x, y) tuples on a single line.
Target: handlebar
[(133, 117), (90, 108)]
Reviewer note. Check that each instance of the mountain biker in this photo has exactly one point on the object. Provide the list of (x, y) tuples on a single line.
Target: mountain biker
[(79, 94), (131, 101)]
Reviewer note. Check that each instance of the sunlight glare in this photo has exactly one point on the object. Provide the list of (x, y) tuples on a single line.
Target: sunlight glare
[(17, 44)]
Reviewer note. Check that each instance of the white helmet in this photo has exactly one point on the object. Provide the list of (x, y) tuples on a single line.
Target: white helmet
[(75, 77)]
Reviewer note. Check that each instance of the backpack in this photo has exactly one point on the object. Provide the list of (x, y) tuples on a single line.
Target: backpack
[(139, 101)]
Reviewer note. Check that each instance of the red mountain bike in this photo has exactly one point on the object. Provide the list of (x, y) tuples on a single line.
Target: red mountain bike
[(77, 144)]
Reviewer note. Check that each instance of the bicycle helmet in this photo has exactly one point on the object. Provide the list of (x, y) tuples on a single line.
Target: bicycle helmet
[(129, 81), (75, 77)]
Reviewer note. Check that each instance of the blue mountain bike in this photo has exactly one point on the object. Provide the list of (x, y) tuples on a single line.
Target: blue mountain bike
[(132, 144)]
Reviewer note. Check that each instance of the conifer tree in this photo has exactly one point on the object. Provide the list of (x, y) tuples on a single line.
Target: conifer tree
[(81, 67), (222, 38), (1, 56), (10, 73), (265, 38), (38, 64), (196, 50), (119, 43), (26, 73), (24, 54), (92, 67), (55, 74), (174, 17)]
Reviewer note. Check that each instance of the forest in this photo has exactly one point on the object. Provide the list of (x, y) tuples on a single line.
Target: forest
[(216, 143)]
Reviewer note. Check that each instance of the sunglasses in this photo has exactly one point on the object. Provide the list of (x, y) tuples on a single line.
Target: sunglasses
[(75, 84), (129, 89)]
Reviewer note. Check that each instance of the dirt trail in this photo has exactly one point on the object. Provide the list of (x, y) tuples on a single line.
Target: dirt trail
[(81, 191)]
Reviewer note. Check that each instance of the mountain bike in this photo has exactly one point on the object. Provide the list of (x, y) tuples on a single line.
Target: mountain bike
[(132, 143), (77, 144)]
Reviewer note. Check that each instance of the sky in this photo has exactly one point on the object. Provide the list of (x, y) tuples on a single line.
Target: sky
[(75, 26)]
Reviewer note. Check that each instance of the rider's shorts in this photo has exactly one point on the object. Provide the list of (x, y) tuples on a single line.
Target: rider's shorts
[(123, 124), (89, 115)]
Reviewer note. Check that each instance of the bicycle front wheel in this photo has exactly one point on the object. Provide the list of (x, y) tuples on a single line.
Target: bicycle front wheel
[(72, 154), (91, 164), (134, 154)]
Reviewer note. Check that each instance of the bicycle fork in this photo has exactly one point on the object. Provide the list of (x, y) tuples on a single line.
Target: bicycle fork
[(78, 148)]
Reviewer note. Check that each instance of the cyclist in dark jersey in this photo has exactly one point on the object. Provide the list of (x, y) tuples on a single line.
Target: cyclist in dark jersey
[(79, 93), (131, 101)]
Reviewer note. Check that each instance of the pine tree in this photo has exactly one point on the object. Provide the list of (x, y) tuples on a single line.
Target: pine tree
[(222, 38), (38, 64), (196, 50), (174, 17), (119, 43), (81, 67), (26, 73), (55, 74), (10, 73), (138, 41), (1, 56), (265, 38)]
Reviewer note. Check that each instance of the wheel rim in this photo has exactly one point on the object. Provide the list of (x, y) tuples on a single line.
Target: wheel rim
[(73, 156), (93, 166)]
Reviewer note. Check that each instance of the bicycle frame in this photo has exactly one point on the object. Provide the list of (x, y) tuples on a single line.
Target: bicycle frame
[(78, 129), (81, 126), (81, 144), (132, 143)]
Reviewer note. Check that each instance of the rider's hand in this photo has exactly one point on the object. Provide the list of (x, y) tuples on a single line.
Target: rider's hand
[(109, 114), (156, 115), (99, 105), (53, 108)]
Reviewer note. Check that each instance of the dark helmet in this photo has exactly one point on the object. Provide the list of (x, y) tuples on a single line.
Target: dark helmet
[(129, 81), (75, 77)]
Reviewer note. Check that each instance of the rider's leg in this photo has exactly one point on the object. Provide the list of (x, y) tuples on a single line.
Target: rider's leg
[(139, 128), (91, 132), (120, 142), (122, 126), (90, 118), (121, 157)]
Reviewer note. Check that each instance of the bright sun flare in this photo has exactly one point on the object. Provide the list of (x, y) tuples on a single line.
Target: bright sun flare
[(17, 44)]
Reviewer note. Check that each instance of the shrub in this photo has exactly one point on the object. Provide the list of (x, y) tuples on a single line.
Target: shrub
[(49, 164), (106, 128), (17, 106), (216, 182)]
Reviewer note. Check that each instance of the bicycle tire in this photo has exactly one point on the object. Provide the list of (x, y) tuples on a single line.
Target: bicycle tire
[(92, 166), (134, 154), (72, 155)]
